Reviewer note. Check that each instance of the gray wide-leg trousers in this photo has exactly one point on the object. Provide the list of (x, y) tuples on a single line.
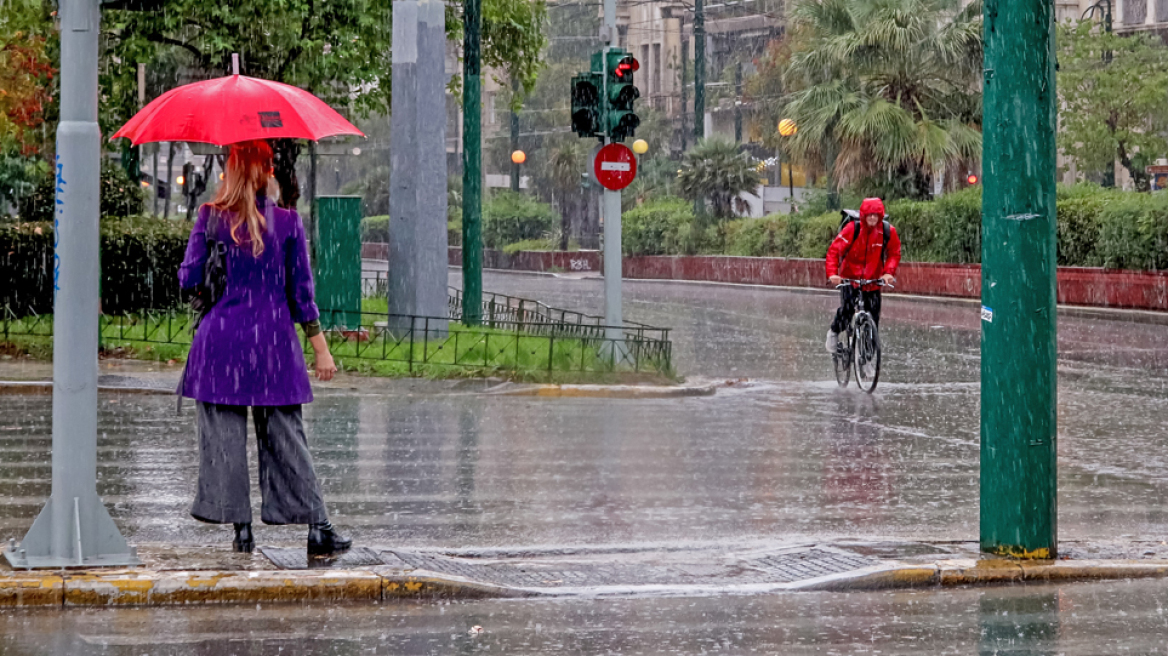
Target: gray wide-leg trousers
[(288, 485)]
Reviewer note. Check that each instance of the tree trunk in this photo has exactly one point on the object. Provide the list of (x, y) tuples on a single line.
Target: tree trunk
[(285, 153), (169, 173), (1139, 175), (567, 205)]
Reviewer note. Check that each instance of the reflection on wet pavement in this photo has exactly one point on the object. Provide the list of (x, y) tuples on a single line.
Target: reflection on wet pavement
[(791, 458), (1085, 619)]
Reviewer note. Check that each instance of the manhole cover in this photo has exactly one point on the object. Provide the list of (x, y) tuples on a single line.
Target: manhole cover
[(284, 558)]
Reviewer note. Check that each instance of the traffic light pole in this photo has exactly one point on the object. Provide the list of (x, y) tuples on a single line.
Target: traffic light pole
[(1018, 354), (74, 529), (613, 264)]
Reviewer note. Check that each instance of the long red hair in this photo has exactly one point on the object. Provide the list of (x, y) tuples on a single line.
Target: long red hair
[(248, 168)]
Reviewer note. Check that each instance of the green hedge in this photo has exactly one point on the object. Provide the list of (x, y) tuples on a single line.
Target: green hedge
[(376, 229), (510, 217), (661, 227), (1096, 227), (140, 257)]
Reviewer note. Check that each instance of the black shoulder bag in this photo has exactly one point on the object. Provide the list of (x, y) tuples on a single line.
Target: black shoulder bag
[(207, 293)]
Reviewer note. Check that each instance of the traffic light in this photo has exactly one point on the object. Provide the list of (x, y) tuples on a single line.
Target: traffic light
[(621, 121), (586, 104)]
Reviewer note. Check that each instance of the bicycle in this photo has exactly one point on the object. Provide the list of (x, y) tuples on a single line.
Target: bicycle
[(860, 348)]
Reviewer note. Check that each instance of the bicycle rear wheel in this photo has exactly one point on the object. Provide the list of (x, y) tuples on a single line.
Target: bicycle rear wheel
[(867, 352), (842, 359)]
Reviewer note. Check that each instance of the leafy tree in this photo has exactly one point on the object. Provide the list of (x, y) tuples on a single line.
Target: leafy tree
[(1113, 93), (716, 170), (339, 50), (885, 85), (27, 97), (566, 164)]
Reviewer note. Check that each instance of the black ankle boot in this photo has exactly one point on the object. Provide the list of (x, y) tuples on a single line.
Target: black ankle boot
[(323, 540), (244, 541)]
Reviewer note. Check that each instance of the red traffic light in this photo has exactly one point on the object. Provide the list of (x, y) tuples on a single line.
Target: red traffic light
[(627, 65), (972, 179)]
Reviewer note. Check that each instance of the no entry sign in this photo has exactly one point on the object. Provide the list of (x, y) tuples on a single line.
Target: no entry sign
[(615, 166)]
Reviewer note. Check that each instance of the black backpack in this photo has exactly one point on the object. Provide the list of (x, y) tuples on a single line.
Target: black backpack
[(853, 216)]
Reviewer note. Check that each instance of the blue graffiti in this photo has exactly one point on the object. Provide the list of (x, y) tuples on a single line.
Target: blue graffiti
[(60, 198)]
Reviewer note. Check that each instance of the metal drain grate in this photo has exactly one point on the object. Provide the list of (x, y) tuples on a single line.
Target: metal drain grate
[(284, 558), (773, 568), (810, 564)]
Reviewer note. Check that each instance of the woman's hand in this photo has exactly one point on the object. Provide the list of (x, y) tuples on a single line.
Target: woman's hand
[(835, 280), (325, 367)]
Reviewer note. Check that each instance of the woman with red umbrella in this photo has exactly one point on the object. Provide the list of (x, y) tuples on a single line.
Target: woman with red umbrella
[(245, 353)]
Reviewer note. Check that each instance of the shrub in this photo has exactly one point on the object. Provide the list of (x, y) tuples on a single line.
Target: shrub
[(510, 217), (1079, 226), (1134, 232), (816, 234), (375, 229), (915, 223), (531, 245), (140, 257), (661, 227), (957, 226), (120, 196)]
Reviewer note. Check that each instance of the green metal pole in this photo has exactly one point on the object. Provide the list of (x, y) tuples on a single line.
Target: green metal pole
[(514, 134), (472, 172), (699, 90), (699, 70), (1018, 381)]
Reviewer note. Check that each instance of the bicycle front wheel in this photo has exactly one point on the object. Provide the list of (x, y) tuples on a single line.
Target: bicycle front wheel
[(867, 352), (842, 359)]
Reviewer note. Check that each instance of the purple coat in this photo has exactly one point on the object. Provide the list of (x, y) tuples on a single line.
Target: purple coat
[(246, 351)]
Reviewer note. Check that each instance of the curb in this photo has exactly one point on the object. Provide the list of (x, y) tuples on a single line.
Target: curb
[(608, 391), (94, 588), (971, 572), (18, 387)]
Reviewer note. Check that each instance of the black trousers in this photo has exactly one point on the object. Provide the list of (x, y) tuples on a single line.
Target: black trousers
[(288, 485), (849, 296)]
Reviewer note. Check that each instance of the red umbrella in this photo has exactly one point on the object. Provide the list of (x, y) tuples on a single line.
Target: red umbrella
[(231, 109)]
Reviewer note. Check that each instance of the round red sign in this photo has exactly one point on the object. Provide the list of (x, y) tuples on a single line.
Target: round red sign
[(615, 166)]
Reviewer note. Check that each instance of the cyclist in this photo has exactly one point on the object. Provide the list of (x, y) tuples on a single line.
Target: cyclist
[(864, 249)]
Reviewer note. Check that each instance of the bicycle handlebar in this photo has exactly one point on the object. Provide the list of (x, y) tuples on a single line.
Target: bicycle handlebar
[(878, 281)]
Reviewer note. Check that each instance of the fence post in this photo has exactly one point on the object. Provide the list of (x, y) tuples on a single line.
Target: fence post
[(551, 351)]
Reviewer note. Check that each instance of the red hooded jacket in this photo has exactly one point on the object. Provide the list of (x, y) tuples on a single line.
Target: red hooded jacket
[(857, 256)]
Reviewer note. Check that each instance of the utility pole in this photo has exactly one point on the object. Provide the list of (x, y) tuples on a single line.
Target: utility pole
[(74, 528), (699, 70), (472, 162), (1018, 354), (684, 93), (738, 103), (514, 134)]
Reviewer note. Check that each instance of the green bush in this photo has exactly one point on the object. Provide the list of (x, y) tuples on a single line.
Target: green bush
[(531, 245), (816, 234), (120, 196), (140, 257), (1080, 222), (510, 217), (775, 235), (661, 227), (956, 227), (1134, 232), (375, 229)]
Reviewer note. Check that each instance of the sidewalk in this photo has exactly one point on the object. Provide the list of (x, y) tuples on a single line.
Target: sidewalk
[(213, 575), (24, 376)]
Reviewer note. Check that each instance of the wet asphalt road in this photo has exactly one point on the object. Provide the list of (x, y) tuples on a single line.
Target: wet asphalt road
[(789, 458), (1084, 619)]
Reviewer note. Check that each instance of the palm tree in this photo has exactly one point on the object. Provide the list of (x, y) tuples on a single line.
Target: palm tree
[(717, 170), (565, 169), (885, 86)]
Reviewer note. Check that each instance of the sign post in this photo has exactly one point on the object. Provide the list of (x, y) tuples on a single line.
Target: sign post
[(614, 166), (74, 529)]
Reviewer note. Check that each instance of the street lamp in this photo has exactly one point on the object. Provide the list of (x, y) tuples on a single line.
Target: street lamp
[(788, 128)]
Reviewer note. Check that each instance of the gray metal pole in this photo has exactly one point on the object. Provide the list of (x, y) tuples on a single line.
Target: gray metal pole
[(74, 528), (613, 316)]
